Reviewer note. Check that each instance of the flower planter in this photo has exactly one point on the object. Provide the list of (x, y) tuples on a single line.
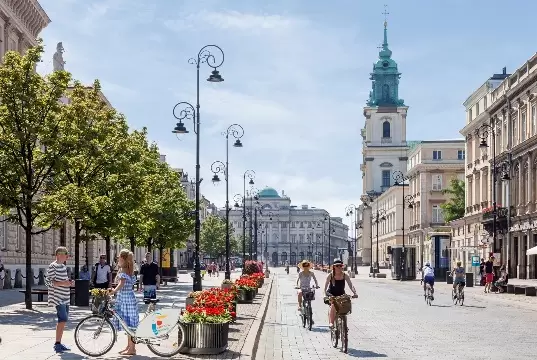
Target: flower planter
[(234, 310), (245, 296), (189, 301), (205, 339), (226, 286)]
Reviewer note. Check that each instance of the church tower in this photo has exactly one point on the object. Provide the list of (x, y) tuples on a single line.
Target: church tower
[(384, 146)]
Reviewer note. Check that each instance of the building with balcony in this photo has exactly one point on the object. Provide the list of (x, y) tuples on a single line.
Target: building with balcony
[(431, 166), (506, 103), (289, 233)]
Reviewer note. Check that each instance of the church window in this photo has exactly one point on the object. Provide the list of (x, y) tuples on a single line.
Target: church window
[(386, 129), (385, 178)]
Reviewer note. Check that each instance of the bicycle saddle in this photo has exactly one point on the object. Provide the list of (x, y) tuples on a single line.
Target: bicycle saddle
[(151, 301)]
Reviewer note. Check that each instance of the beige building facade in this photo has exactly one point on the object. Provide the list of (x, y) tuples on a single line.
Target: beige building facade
[(431, 167), (507, 104)]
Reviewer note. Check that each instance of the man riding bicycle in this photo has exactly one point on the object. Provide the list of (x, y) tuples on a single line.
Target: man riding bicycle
[(459, 275), (428, 278)]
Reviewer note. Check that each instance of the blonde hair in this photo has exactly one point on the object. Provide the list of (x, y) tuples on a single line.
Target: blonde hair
[(128, 262)]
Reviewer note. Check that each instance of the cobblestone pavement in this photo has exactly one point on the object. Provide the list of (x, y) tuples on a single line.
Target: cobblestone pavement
[(30, 335), (391, 320)]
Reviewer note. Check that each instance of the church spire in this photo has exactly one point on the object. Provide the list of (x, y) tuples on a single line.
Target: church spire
[(385, 76)]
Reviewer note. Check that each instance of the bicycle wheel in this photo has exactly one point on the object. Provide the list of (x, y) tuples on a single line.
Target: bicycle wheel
[(303, 315), (176, 344), (334, 334), (100, 327), (344, 333), (310, 317)]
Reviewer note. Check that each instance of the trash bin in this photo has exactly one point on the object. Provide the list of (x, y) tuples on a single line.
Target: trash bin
[(469, 279), (449, 279), (82, 295)]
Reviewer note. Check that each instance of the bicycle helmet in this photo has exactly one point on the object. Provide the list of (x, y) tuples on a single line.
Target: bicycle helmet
[(428, 264)]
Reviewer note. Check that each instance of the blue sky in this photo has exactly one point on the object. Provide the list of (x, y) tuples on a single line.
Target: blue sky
[(296, 76)]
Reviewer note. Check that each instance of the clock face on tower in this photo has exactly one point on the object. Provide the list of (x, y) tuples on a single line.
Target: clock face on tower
[(385, 64)]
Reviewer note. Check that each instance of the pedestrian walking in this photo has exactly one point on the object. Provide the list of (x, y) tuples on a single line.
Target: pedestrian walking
[(59, 294), (482, 280), (126, 304), (84, 273), (489, 274), (149, 277), (102, 276)]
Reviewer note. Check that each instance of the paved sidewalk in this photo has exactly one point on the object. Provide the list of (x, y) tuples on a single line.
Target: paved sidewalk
[(30, 335)]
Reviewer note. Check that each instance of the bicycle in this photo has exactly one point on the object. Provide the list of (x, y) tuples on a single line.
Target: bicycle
[(155, 327), (340, 328), (457, 294), (308, 294), (428, 295)]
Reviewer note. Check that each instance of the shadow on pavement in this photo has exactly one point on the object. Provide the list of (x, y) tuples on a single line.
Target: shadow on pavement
[(365, 354), (441, 306), (320, 329), (474, 306), (38, 320)]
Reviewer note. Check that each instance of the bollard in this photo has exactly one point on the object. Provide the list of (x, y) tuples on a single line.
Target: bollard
[(18, 279), (41, 280), (7, 281)]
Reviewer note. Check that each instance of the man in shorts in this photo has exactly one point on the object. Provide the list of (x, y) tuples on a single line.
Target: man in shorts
[(489, 274), (59, 293)]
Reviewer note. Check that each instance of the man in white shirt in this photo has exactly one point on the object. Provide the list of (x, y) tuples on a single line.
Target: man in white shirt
[(102, 276), (428, 278)]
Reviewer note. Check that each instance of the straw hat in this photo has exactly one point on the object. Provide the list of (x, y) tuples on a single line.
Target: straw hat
[(300, 264)]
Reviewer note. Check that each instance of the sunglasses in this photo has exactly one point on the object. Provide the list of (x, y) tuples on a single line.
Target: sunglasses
[(338, 265), (305, 265)]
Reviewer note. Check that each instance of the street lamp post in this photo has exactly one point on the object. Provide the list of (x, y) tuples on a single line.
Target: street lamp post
[(349, 211), (400, 180), (237, 132), (185, 111)]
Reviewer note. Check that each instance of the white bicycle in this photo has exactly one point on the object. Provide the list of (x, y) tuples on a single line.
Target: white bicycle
[(154, 329)]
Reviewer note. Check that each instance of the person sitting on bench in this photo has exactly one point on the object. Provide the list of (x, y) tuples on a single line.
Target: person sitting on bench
[(502, 281)]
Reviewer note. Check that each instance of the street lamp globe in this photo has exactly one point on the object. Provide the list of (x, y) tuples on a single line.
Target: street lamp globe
[(215, 178), (237, 143), (180, 128), (215, 77)]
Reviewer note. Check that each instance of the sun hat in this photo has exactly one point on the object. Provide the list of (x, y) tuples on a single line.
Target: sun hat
[(301, 264), (337, 262)]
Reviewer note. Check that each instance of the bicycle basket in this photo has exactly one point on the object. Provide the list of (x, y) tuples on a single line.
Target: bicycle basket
[(98, 304), (308, 294), (343, 304)]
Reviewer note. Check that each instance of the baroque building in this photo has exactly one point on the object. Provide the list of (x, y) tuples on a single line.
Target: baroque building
[(384, 144), (287, 233)]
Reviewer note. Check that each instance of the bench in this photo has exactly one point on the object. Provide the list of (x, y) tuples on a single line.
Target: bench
[(520, 289), (42, 292), (510, 288), (381, 276)]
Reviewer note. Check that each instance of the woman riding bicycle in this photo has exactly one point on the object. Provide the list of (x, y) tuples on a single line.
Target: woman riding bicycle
[(459, 275), (304, 280), (335, 286)]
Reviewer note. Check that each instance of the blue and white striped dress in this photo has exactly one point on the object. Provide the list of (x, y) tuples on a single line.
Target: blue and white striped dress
[(126, 304)]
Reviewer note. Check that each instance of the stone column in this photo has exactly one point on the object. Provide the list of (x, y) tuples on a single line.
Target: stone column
[(520, 185), (528, 258), (521, 256)]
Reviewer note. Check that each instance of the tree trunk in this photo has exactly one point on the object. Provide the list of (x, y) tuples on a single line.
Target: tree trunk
[(87, 251), (132, 243), (149, 243), (107, 244), (77, 247), (29, 277)]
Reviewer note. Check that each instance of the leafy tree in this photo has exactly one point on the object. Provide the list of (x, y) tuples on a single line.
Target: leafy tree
[(100, 134), (213, 237), (35, 134), (454, 207)]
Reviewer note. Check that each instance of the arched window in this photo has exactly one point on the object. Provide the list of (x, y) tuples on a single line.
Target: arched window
[(386, 129)]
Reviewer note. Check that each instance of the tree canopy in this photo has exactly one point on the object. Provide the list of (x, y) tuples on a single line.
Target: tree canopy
[(453, 208), (213, 237)]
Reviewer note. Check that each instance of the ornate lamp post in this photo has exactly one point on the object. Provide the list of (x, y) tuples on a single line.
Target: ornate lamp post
[(400, 180), (349, 211), (185, 111), (237, 132)]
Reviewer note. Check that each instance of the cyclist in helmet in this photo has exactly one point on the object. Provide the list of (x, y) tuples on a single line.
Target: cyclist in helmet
[(428, 278), (459, 275)]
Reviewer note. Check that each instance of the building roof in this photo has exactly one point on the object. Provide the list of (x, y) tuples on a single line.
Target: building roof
[(268, 192)]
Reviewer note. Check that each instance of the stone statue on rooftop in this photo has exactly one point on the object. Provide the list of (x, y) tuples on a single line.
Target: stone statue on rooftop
[(57, 59)]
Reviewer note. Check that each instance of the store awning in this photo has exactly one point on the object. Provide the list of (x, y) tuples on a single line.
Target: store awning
[(532, 251)]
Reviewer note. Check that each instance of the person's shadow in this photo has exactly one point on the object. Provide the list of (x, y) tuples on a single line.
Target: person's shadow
[(365, 354)]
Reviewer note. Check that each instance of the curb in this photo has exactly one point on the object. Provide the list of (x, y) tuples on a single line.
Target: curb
[(249, 348)]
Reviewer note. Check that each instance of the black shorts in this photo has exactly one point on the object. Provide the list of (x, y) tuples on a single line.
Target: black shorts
[(209, 271)]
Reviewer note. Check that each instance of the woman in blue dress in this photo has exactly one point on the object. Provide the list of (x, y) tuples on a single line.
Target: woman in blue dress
[(126, 304)]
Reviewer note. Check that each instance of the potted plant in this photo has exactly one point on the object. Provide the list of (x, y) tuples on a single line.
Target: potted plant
[(227, 284), (219, 297), (246, 290), (259, 277), (206, 329)]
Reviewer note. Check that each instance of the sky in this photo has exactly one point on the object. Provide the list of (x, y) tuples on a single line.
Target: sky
[(296, 77)]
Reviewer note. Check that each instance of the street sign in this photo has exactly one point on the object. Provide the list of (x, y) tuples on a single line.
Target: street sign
[(475, 261)]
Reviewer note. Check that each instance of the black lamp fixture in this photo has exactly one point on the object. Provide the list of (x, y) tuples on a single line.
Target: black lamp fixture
[(215, 77)]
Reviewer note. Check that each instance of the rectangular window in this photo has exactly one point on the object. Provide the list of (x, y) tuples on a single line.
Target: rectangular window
[(301, 238), (523, 127), (437, 154), (533, 120), (437, 182), (438, 217), (469, 115), (293, 238), (385, 178), (477, 109), (461, 154), (515, 130)]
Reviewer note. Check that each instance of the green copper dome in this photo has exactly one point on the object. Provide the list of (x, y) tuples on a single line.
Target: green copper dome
[(268, 193), (385, 78)]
